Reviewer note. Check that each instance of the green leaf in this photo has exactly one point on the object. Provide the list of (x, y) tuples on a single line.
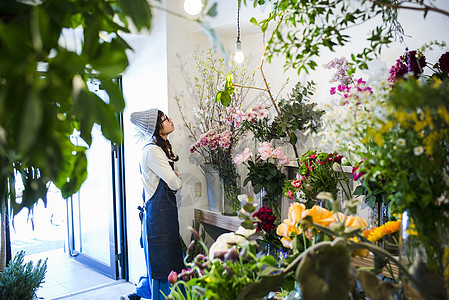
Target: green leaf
[(218, 96), (249, 207), (247, 224), (225, 98), (212, 12), (269, 260), (293, 138), (30, 121), (229, 86), (325, 274), (115, 94), (254, 21), (262, 287), (358, 190), (111, 59), (375, 288), (77, 177), (139, 11), (429, 283)]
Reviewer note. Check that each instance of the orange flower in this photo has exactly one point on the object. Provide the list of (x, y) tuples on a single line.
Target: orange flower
[(391, 227), (320, 215), (377, 233), (359, 252), (290, 226), (356, 222), (367, 232), (295, 212)]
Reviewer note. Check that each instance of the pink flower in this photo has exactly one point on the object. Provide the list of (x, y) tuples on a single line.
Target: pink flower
[(333, 90), (284, 161), (266, 154), (265, 146), (290, 195), (240, 158), (172, 277), (192, 148), (296, 183), (355, 172), (278, 153)]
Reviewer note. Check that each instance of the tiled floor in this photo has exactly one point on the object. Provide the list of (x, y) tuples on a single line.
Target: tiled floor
[(68, 279)]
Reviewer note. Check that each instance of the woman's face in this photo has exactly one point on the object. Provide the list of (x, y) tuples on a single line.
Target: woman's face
[(167, 126)]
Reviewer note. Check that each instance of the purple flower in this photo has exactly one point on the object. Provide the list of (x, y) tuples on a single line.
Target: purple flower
[(410, 62)]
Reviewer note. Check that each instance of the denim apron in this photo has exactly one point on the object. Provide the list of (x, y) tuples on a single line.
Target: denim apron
[(162, 232)]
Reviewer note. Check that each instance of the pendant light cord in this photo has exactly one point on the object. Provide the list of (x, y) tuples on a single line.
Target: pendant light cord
[(238, 20)]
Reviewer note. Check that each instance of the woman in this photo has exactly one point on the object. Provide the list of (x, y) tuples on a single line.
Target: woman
[(160, 226)]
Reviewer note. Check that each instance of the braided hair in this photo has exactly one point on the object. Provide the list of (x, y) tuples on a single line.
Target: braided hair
[(160, 141)]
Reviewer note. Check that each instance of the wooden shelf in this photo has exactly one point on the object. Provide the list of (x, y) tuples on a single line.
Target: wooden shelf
[(368, 262), (214, 218)]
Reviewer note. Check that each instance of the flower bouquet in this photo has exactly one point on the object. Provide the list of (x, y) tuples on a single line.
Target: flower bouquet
[(400, 129), (264, 174), (266, 225), (215, 149), (318, 172), (214, 137)]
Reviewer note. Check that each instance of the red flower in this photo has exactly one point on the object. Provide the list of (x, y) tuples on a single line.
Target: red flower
[(267, 219), (444, 63), (338, 159), (355, 172)]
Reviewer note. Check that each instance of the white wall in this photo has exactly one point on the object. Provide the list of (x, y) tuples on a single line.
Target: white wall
[(155, 77), (144, 87)]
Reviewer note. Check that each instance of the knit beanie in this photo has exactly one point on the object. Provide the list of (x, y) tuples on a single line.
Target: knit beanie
[(145, 120)]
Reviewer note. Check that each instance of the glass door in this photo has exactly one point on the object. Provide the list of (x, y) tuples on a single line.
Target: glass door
[(92, 211)]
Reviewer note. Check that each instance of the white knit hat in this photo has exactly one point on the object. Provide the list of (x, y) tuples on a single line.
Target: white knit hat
[(145, 120)]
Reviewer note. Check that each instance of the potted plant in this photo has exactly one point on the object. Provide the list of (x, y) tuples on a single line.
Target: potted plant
[(20, 280)]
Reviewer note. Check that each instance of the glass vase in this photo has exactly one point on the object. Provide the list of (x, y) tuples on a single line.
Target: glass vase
[(425, 235), (214, 187), (295, 294)]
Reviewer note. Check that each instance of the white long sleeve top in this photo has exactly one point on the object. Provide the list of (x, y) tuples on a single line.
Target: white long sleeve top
[(155, 165)]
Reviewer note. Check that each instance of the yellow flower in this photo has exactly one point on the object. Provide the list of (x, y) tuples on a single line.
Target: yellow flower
[(429, 142), (402, 118), (378, 138), (375, 234), (386, 127), (428, 117), (391, 227), (442, 111)]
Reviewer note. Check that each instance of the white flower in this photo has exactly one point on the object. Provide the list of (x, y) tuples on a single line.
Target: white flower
[(401, 142), (418, 150), (227, 240)]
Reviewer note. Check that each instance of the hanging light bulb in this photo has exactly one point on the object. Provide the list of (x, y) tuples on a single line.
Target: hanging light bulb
[(238, 56), (193, 7)]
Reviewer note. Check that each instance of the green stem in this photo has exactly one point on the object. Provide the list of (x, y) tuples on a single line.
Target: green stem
[(297, 260)]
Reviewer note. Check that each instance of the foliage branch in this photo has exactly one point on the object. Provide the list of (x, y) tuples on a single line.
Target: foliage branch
[(305, 28)]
